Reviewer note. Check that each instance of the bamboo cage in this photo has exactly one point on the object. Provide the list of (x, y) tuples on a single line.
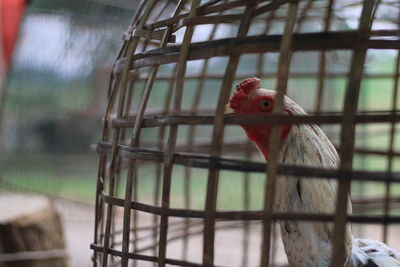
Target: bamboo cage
[(179, 184)]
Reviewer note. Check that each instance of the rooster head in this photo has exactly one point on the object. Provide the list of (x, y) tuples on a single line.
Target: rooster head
[(250, 98)]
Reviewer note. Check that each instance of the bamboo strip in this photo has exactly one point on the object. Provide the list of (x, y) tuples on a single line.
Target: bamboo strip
[(170, 150), (391, 140), (147, 228), (261, 75), (137, 256), (217, 137), (173, 230), (273, 5), (205, 161), (248, 152), (347, 139), (242, 145), (193, 21), (132, 170), (303, 16), (101, 174), (375, 204), (119, 165), (191, 233), (274, 119), (241, 76), (246, 206), (271, 168), (154, 35), (206, 10), (248, 215), (131, 47), (322, 75), (259, 44), (160, 145), (207, 4), (191, 134), (310, 18), (112, 92)]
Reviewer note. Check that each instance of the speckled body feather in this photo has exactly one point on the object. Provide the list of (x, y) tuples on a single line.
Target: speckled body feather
[(310, 243), (306, 243)]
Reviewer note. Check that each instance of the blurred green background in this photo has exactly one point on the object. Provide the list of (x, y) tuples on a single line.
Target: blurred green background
[(55, 95)]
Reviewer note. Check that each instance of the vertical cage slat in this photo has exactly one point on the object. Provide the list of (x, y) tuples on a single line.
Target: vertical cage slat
[(173, 131), (392, 135), (132, 167), (283, 71), (131, 47), (101, 175), (160, 145), (216, 147), (261, 74), (130, 91), (303, 15), (191, 137), (347, 137), (322, 60)]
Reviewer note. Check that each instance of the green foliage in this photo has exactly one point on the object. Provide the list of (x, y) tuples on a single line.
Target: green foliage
[(83, 11), (55, 175)]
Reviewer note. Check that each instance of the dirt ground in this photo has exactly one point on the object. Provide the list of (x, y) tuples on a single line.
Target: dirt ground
[(78, 227), (78, 222)]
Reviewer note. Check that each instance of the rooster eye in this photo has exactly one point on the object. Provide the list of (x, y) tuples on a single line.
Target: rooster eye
[(265, 104)]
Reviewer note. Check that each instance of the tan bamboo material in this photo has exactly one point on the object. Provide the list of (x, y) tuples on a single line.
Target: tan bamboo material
[(165, 133)]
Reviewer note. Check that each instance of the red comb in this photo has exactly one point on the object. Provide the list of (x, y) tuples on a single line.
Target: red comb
[(248, 85), (243, 89)]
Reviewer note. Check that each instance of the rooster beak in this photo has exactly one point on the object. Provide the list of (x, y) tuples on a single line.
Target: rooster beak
[(228, 110)]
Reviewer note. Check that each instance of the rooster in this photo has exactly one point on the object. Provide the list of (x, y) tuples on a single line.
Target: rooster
[(306, 243)]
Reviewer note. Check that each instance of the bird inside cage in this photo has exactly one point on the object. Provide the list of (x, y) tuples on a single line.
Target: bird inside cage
[(306, 243)]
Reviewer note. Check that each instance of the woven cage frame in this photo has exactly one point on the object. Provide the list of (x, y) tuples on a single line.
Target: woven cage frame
[(152, 42)]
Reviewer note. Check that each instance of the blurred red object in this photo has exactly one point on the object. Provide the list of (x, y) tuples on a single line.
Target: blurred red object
[(11, 13)]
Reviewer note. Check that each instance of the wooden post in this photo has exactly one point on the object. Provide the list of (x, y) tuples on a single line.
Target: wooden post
[(30, 232)]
